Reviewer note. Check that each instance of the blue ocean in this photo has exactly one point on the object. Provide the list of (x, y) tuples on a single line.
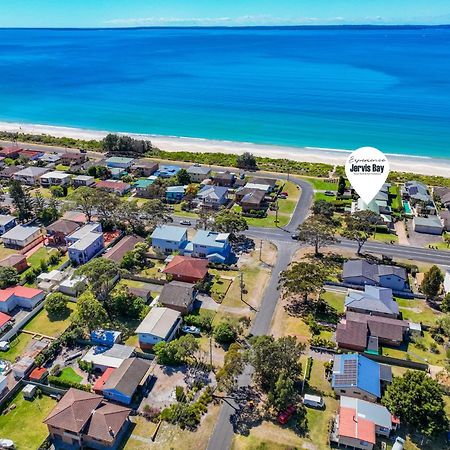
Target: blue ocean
[(321, 87)]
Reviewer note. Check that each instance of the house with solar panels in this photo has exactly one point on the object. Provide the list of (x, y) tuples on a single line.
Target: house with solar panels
[(356, 376)]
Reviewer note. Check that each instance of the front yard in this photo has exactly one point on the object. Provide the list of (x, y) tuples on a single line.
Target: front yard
[(24, 424)]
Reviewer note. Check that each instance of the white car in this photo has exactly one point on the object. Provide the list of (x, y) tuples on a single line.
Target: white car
[(190, 329), (398, 444), (4, 346), (6, 444)]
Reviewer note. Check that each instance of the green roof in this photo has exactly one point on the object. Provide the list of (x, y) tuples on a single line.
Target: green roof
[(143, 183)]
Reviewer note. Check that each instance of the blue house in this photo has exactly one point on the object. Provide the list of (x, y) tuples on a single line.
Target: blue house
[(119, 162), (211, 245), (6, 223), (85, 243), (168, 239), (106, 338), (175, 193), (167, 171), (356, 376)]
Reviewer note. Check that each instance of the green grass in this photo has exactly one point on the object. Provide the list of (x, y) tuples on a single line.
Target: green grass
[(335, 300), (321, 196), (44, 324), (62, 167), (69, 375), (417, 311), (4, 252), (220, 288), (17, 346), (24, 424), (396, 202), (179, 212), (319, 184), (35, 259), (385, 237)]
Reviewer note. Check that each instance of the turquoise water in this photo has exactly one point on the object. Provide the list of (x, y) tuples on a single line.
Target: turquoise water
[(335, 88)]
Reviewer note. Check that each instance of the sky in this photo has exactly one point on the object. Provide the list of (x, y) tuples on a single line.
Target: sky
[(133, 13)]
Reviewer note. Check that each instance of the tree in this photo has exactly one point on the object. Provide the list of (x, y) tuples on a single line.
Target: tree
[(324, 209), (445, 305), (284, 393), (125, 145), (303, 279), (106, 204), (270, 356), (432, 281), (360, 226), (126, 304), (178, 351), (100, 274), (224, 333), (315, 231), (8, 277), (246, 161), (84, 198), (135, 259), (89, 312), (156, 212), (341, 185), (416, 399), (206, 219), (57, 191), (228, 221), (56, 304), (183, 177), (21, 200), (233, 366)]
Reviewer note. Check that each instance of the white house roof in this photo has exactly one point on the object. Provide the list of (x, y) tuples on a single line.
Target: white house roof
[(31, 172), (158, 322), (5, 219), (56, 174), (109, 357), (260, 187), (20, 232)]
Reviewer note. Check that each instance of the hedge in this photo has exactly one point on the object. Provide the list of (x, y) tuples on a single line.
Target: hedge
[(70, 384)]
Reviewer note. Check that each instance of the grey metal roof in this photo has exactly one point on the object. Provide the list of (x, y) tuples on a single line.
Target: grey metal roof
[(374, 299), (362, 268), (199, 170), (20, 232), (5, 219), (177, 293), (32, 171), (430, 221), (377, 414)]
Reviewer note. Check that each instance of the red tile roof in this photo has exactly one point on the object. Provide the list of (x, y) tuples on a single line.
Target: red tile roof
[(19, 291), (10, 150), (355, 427), (4, 319), (37, 373), (115, 185), (125, 245), (186, 266), (98, 385)]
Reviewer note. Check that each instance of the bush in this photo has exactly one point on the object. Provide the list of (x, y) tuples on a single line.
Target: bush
[(317, 341), (309, 368), (151, 412), (56, 381), (224, 333), (202, 322), (55, 370), (179, 394)]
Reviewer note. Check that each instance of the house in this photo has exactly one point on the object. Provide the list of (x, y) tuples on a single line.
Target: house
[(117, 252), (22, 236), (84, 420), (103, 357), (360, 272), (178, 295), (114, 186), (101, 380), (10, 152), (175, 193), (271, 182), (198, 173), (126, 380), (55, 178), (211, 245), (73, 286), (376, 301), (356, 376), (58, 231), (38, 375), (119, 162), (212, 197), (8, 172), (184, 268), (144, 167), (73, 158), (20, 296), (226, 179), (5, 321), (250, 199), (75, 216), (419, 197), (6, 223), (30, 175), (379, 207), (85, 243), (258, 187), (141, 186), (160, 324), (168, 239), (105, 338), (16, 260), (167, 171), (428, 225), (83, 180), (445, 219), (22, 367), (117, 173), (48, 280), (359, 422), (31, 155), (356, 330), (50, 158)]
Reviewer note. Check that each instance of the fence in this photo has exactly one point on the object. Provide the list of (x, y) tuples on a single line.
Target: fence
[(144, 279), (397, 362)]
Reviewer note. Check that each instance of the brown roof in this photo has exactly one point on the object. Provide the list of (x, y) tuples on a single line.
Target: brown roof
[(127, 377), (114, 185), (351, 333), (75, 216), (190, 267), (73, 410), (12, 260), (107, 421), (251, 196), (177, 293), (63, 226), (147, 163), (125, 245)]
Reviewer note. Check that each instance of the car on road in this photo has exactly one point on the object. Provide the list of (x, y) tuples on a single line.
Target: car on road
[(285, 415), (190, 329), (329, 193), (295, 236), (185, 222)]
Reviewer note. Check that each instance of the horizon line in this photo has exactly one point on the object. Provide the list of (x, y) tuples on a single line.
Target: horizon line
[(303, 26)]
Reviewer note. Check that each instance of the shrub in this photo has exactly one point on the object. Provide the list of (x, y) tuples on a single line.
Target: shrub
[(318, 341), (56, 381), (179, 394), (202, 322), (55, 370), (224, 333)]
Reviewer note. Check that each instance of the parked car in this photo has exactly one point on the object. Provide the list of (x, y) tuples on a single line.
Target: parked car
[(286, 194), (6, 444), (185, 222), (295, 236), (285, 415), (190, 329), (329, 193), (314, 401), (398, 444), (4, 346)]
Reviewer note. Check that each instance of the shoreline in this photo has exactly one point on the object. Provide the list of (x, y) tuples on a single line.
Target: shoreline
[(401, 163)]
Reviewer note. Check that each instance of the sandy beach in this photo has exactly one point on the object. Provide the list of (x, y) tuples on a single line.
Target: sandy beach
[(402, 163)]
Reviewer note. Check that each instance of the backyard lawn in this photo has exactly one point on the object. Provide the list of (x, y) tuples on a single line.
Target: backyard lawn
[(335, 300), (17, 346), (24, 424), (4, 252), (42, 323), (417, 311), (69, 375)]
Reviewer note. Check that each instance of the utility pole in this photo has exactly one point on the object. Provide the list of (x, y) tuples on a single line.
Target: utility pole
[(276, 213), (289, 171), (241, 285), (210, 350), (260, 250)]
